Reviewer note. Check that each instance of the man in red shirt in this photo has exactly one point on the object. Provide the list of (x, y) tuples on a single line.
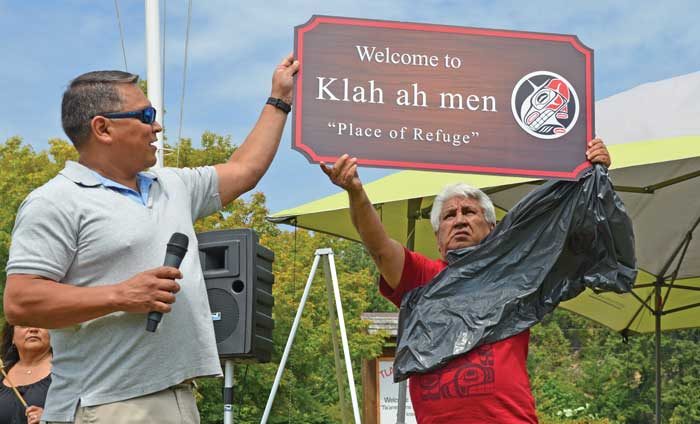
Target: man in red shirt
[(489, 384)]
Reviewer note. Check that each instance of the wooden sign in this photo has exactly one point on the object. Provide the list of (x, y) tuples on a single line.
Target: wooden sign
[(443, 98)]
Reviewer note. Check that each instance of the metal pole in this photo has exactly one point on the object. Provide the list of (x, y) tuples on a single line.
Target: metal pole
[(401, 410), (228, 392), (154, 70), (332, 314), (657, 314), (290, 340), (413, 212), (344, 339)]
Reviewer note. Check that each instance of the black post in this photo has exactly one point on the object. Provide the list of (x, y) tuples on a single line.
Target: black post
[(657, 315), (413, 213)]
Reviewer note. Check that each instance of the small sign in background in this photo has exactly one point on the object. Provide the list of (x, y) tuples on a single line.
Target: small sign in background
[(388, 394)]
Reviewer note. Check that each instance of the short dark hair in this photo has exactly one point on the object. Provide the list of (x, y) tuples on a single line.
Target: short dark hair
[(8, 351), (88, 95)]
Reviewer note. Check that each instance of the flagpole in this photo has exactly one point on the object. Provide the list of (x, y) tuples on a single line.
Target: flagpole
[(154, 69)]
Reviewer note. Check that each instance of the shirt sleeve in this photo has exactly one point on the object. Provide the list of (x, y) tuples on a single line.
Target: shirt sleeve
[(44, 240), (417, 271), (203, 185)]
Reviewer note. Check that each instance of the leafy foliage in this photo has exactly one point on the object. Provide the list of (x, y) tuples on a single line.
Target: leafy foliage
[(21, 171)]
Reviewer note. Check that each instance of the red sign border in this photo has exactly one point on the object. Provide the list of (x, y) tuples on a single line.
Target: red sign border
[(315, 20)]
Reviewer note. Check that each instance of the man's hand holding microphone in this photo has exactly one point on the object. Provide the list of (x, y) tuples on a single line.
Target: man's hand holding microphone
[(153, 291)]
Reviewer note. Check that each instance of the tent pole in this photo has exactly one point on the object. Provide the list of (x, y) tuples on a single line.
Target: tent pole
[(413, 213), (659, 309), (657, 343)]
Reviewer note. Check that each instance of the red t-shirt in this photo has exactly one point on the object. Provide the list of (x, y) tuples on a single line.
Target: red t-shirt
[(489, 384)]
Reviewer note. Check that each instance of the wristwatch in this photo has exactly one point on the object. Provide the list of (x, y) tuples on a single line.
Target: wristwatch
[(279, 104)]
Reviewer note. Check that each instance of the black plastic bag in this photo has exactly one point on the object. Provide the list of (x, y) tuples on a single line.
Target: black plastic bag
[(562, 237)]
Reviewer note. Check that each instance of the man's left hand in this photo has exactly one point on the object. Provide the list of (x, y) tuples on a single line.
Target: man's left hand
[(283, 79), (598, 153)]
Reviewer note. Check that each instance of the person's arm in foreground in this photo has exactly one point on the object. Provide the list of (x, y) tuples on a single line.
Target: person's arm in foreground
[(249, 162), (387, 253), (36, 301)]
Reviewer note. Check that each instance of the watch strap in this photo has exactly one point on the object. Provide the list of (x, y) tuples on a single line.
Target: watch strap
[(279, 104)]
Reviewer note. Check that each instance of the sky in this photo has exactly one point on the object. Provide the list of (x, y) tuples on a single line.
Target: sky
[(234, 47)]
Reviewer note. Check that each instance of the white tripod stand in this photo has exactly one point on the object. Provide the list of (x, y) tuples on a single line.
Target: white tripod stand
[(228, 392), (333, 292)]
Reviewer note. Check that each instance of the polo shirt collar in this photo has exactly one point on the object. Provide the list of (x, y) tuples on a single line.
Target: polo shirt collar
[(81, 174)]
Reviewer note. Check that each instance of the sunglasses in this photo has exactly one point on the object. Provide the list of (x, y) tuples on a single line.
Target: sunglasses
[(147, 115)]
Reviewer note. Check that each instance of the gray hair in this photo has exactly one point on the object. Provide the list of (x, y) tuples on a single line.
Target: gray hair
[(89, 95), (461, 190)]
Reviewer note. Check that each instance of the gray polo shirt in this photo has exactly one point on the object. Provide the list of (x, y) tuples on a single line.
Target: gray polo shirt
[(75, 231)]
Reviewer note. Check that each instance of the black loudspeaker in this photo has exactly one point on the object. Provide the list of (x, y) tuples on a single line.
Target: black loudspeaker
[(238, 276)]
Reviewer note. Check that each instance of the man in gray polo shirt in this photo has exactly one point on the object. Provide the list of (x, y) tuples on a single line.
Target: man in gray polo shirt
[(87, 246)]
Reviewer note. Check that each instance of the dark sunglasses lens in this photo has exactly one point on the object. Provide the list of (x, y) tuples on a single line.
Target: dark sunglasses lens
[(149, 115)]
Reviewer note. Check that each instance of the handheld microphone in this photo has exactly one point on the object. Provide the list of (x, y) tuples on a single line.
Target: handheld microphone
[(174, 253)]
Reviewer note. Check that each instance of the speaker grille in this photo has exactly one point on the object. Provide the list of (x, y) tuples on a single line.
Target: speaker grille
[(222, 301)]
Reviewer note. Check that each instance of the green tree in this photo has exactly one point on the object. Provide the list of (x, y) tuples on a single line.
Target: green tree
[(553, 371), (23, 170)]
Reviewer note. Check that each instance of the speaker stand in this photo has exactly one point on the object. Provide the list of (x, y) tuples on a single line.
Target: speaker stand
[(332, 286), (228, 391)]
